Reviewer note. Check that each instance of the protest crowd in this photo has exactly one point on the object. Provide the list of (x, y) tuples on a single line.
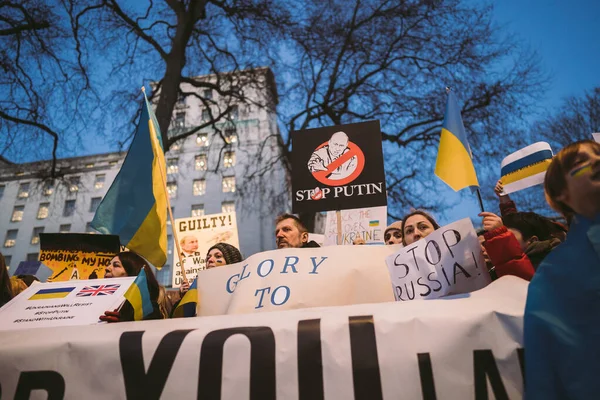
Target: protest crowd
[(559, 331)]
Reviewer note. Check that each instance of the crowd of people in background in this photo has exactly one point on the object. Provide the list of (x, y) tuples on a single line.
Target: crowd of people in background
[(555, 257)]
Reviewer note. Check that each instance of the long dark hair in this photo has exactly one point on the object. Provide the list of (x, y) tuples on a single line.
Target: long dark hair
[(133, 264), (418, 212), (6, 293)]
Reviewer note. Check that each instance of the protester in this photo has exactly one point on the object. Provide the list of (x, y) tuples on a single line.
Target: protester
[(17, 286), (486, 257), (129, 263), (6, 293), (393, 233), (562, 328), (416, 225), (290, 232), (503, 249), (358, 241)]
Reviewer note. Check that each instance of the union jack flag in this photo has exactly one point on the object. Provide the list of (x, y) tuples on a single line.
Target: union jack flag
[(98, 290)]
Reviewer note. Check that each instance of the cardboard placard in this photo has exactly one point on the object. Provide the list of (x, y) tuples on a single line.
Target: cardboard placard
[(447, 261), (338, 167), (198, 234), (73, 256), (367, 224)]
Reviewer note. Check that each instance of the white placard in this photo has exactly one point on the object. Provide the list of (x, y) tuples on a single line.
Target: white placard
[(596, 137), (64, 303), (448, 261), (366, 223), (287, 279), (198, 234), (464, 348)]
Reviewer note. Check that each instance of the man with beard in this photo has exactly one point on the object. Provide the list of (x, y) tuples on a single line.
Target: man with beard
[(290, 232)]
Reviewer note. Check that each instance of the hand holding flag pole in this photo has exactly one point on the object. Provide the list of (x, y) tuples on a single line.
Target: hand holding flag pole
[(454, 164)]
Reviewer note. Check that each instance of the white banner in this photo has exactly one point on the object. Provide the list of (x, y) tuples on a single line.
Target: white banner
[(63, 303), (287, 279), (448, 261), (365, 223), (596, 137), (465, 348), (198, 234)]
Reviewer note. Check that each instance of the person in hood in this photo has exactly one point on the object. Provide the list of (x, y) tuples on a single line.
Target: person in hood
[(562, 313), (393, 233), (222, 254), (290, 232)]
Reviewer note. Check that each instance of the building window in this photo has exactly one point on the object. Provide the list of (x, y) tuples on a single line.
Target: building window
[(32, 257), (113, 163), (89, 229), (48, 189), (43, 211), (197, 210), (90, 165), (205, 114), (95, 203), (234, 112), (8, 259), (169, 244), (228, 184), (69, 209), (202, 140), (99, 182), (172, 189), (231, 136), (199, 187), (2, 187), (181, 100), (227, 206), (74, 184), (65, 228), (207, 94), (175, 146), (23, 190), (229, 159), (180, 120), (172, 165), (17, 214), (11, 237), (35, 236), (201, 163)]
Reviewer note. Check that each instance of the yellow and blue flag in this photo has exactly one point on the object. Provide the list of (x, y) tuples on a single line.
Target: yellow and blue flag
[(454, 164), (135, 206), (138, 296), (54, 293), (526, 167), (187, 305)]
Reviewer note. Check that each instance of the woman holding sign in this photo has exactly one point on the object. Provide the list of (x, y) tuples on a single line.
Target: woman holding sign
[(562, 315), (416, 226)]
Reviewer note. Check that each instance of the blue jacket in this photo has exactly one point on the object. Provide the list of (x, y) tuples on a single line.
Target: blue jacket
[(562, 319)]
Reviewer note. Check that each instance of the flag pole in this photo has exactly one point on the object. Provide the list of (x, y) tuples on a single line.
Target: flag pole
[(480, 200), (162, 177)]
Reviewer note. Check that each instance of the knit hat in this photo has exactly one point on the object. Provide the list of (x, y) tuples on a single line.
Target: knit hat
[(231, 254), (396, 225)]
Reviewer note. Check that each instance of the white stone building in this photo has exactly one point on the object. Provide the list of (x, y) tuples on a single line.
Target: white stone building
[(232, 166)]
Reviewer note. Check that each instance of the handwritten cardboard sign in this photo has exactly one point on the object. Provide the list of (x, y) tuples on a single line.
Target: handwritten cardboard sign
[(364, 223), (448, 261), (77, 255), (198, 234)]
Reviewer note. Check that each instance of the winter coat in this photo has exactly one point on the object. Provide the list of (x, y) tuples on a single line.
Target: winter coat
[(506, 255), (312, 243), (562, 319)]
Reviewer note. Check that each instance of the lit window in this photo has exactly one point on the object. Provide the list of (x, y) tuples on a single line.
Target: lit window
[(113, 163), (172, 189), (202, 140), (43, 211), (23, 190), (20, 173), (234, 112), (229, 159), (17, 214), (48, 189), (227, 206), (197, 210), (99, 182), (69, 209), (32, 257), (201, 163), (89, 229), (91, 165), (11, 237), (208, 94), (175, 146), (199, 187), (65, 228), (74, 184), (172, 165), (35, 236), (205, 114), (228, 184), (230, 136), (95, 203), (180, 120)]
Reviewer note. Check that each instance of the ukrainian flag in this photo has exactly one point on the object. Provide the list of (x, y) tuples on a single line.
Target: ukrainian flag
[(187, 305), (135, 206), (454, 164), (138, 296), (55, 293)]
